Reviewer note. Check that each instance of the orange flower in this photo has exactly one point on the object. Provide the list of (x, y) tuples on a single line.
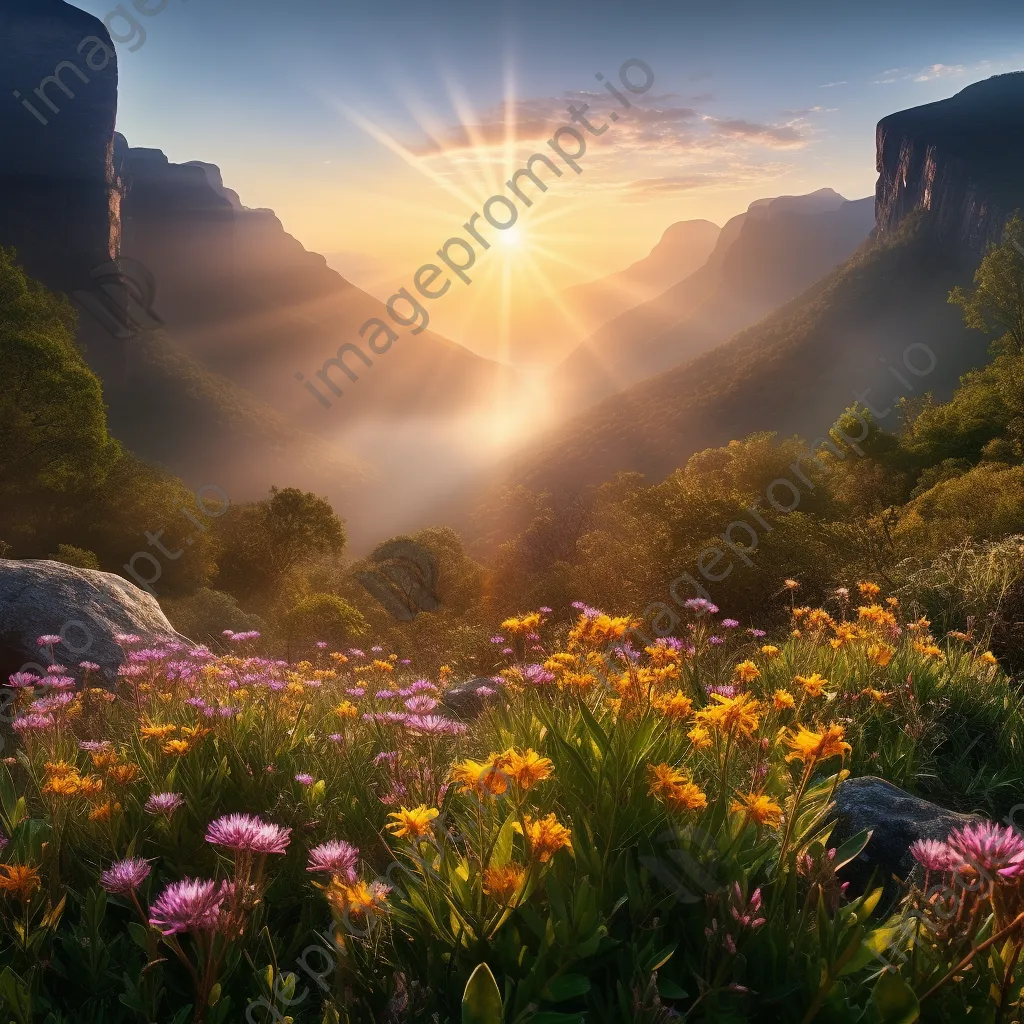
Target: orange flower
[(358, 899), (988, 658), (127, 772), (770, 651), (346, 709), (676, 706), (528, 768), (814, 685), (19, 880), (869, 590), (687, 797), (737, 715), (176, 747), (545, 836), (484, 777), (519, 626), (758, 808), (502, 884), (664, 778), (104, 759), (699, 737), (880, 654), (103, 811), (809, 747), (157, 732), (782, 700)]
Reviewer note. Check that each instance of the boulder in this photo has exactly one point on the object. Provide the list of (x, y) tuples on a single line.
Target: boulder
[(86, 608), (464, 700), (896, 819)]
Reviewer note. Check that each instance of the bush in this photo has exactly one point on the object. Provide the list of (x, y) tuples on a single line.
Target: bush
[(78, 557)]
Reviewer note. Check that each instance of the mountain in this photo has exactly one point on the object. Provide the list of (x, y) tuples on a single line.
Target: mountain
[(948, 181), (763, 258), (959, 158), (683, 248)]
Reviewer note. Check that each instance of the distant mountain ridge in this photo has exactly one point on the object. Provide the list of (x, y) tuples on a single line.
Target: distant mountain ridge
[(762, 258)]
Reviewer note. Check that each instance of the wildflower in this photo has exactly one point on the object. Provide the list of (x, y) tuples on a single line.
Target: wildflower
[(991, 849), (809, 747), (664, 778), (770, 651), (783, 700), (421, 704), (737, 715), (502, 883), (935, 856), (522, 625), (125, 876), (878, 696), (122, 774), (164, 803), (176, 747), (988, 658), (304, 779), (813, 685), (63, 785), (676, 706), (528, 768), (247, 832), (758, 808), (49, 640), (413, 823), (485, 777), (747, 672), (699, 737), (357, 899), (33, 723), (876, 615), (157, 732), (545, 836), (790, 584), (869, 590), (730, 623), (336, 858), (880, 654), (191, 905), (19, 880)]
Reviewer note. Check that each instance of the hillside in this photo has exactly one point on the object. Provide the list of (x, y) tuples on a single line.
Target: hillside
[(763, 258)]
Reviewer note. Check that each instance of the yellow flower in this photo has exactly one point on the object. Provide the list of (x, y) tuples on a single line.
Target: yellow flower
[(521, 625), (528, 768), (413, 823), (176, 747), (818, 618), (876, 695), (358, 899), (929, 650), (699, 737), (732, 714), (814, 685), (957, 635), (664, 778), (90, 786), (877, 615), (125, 773), (157, 732), (545, 836), (383, 666), (747, 672), (19, 880), (103, 811), (485, 777), (600, 630), (675, 705), (782, 700), (104, 759), (770, 651), (758, 808), (64, 785), (346, 709), (60, 768), (809, 747), (869, 590), (502, 884), (988, 658), (880, 654)]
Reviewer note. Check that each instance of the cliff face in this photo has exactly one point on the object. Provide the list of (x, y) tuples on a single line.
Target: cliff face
[(60, 204), (959, 158)]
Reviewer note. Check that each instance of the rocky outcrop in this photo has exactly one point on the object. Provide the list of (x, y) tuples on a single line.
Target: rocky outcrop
[(959, 159), (466, 700), (895, 819), (58, 83), (87, 609)]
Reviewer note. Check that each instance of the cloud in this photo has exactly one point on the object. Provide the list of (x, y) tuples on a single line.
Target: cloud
[(733, 176), (807, 111), (939, 71), (832, 85), (786, 136), (923, 74)]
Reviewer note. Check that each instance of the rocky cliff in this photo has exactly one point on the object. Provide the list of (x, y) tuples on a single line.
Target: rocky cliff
[(960, 158), (58, 101)]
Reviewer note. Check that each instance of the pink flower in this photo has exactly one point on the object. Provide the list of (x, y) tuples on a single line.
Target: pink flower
[(191, 905), (125, 876), (305, 779), (164, 803), (990, 848), (48, 640), (247, 832), (421, 704), (935, 856), (334, 858)]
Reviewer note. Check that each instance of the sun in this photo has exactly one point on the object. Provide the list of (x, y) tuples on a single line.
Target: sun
[(512, 238)]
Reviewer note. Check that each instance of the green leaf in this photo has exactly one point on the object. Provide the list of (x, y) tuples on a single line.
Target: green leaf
[(851, 849), (668, 989), (16, 997), (569, 986), (481, 1002), (895, 1000)]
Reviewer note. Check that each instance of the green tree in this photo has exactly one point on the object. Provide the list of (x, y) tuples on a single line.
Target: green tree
[(264, 542), (997, 302), (323, 617)]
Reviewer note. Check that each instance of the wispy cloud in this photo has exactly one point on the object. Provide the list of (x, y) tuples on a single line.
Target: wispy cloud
[(832, 85), (927, 74)]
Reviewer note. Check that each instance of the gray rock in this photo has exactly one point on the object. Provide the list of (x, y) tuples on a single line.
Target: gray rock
[(896, 819), (87, 608), (463, 700)]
